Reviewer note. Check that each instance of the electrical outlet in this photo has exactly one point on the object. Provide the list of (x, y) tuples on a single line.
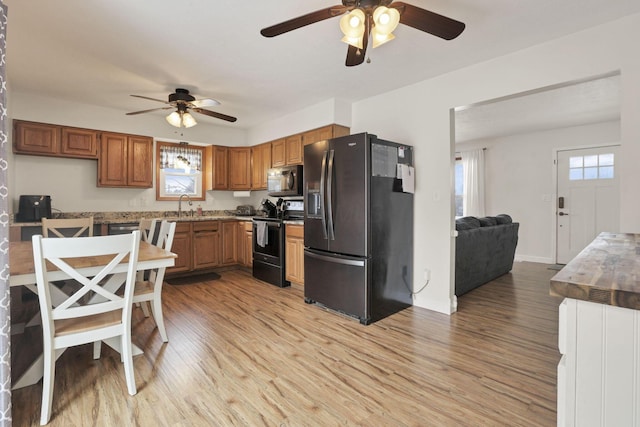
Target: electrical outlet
[(427, 274)]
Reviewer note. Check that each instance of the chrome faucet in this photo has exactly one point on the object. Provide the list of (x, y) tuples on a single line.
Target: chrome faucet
[(180, 204)]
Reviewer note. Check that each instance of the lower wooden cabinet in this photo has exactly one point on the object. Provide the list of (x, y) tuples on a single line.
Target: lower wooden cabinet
[(229, 243), (294, 253), (182, 247), (206, 244), (245, 243)]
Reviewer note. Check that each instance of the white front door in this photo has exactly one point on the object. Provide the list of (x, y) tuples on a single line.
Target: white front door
[(588, 198)]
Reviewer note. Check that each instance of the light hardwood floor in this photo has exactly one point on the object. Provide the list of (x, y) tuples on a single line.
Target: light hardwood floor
[(245, 353)]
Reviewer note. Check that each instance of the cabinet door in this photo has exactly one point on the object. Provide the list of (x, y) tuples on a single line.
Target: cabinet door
[(248, 247), (294, 150), (278, 153), (229, 242), (35, 138), (81, 143), (260, 163), (240, 249), (220, 168), (140, 162), (206, 244), (240, 168), (182, 247), (294, 250), (112, 161)]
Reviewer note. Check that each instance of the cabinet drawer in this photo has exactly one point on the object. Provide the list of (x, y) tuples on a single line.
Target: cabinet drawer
[(247, 225), (295, 231), (205, 226), (183, 227)]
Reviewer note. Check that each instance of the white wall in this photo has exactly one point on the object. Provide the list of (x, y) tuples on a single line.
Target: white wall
[(420, 115), (519, 180), (72, 182)]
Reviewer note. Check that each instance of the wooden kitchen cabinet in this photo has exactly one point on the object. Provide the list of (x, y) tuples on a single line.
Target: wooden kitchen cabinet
[(245, 243), (45, 139), (217, 166), (206, 244), (182, 247), (260, 164), (125, 161), (229, 243), (240, 168), (293, 150), (79, 143), (325, 132), (278, 153), (294, 253)]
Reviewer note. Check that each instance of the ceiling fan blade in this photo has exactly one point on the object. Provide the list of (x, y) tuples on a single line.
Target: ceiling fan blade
[(214, 114), (148, 111), (151, 99), (301, 21), (199, 103), (427, 21)]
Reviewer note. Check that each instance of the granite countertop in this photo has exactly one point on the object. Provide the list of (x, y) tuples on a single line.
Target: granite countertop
[(124, 217), (605, 272)]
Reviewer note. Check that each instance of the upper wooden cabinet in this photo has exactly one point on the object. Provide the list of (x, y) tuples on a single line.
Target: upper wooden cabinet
[(294, 150), (125, 161), (290, 150), (325, 132), (240, 168), (278, 153), (260, 163), (53, 140), (217, 167)]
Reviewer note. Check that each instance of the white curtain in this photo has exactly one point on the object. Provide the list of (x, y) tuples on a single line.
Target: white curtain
[(473, 170)]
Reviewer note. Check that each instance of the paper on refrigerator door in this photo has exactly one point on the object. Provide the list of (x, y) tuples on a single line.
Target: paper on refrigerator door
[(406, 173)]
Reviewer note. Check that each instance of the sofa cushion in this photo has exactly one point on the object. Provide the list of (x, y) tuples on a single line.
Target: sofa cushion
[(503, 219), (488, 221), (467, 223)]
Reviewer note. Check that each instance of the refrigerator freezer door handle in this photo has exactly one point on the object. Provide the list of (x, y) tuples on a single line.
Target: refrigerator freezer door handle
[(335, 260), (323, 178), (332, 235)]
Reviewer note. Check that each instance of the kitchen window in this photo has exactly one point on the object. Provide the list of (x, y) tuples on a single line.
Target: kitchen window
[(179, 170)]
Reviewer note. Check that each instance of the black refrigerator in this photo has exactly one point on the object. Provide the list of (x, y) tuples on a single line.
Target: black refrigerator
[(358, 227)]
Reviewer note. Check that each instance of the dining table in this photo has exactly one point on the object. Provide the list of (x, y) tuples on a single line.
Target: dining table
[(22, 273)]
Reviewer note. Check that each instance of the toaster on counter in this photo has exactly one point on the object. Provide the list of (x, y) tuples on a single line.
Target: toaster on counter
[(245, 210)]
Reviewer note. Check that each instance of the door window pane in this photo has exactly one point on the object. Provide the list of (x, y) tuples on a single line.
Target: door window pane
[(575, 162), (606, 172), (575, 174), (606, 159), (590, 161), (590, 173)]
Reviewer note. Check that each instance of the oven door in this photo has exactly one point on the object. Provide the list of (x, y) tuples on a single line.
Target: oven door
[(270, 248)]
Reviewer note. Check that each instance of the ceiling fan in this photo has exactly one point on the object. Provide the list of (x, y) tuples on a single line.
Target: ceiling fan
[(375, 18), (184, 102)]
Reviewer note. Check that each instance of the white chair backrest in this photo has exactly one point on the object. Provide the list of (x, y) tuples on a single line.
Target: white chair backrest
[(75, 227), (165, 235), (147, 229), (61, 253)]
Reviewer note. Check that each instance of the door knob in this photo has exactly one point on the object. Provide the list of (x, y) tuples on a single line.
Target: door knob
[(563, 214)]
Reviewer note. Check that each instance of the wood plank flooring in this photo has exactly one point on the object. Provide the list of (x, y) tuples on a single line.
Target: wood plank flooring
[(245, 353)]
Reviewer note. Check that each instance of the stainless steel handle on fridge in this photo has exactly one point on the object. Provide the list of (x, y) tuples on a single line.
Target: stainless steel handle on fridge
[(323, 177), (357, 263), (332, 234)]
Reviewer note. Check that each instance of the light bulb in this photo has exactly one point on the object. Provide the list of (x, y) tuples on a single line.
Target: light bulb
[(174, 119), (352, 26), (188, 120)]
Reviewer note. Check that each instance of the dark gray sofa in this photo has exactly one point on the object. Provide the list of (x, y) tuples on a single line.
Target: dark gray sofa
[(485, 248)]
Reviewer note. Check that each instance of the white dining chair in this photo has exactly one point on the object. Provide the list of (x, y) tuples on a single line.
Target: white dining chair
[(67, 227), (150, 290), (147, 227), (68, 324)]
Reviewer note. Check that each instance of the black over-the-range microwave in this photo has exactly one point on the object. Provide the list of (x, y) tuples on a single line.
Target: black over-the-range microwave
[(285, 181)]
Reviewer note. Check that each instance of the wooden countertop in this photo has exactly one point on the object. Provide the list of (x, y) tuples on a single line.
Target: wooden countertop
[(606, 272)]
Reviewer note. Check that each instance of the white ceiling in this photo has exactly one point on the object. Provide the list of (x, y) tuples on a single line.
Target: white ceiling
[(576, 104), (100, 52)]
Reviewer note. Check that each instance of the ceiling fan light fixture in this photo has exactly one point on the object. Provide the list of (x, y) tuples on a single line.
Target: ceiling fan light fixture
[(380, 38), (188, 120), (385, 21), (174, 119), (353, 27)]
